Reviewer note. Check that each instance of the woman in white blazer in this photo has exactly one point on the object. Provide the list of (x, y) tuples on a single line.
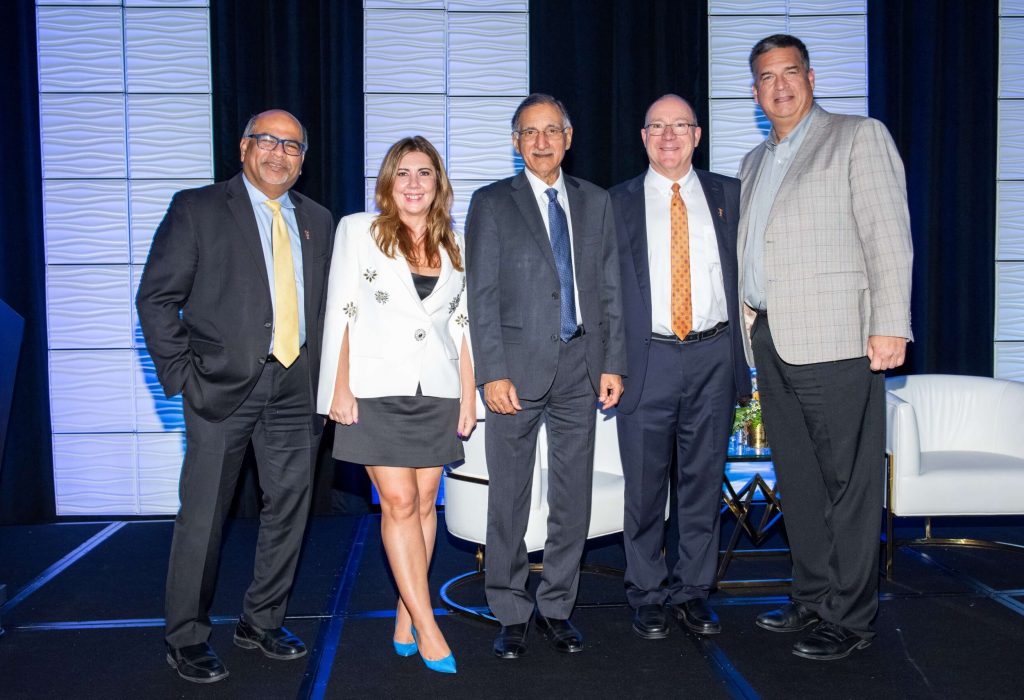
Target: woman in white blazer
[(403, 394)]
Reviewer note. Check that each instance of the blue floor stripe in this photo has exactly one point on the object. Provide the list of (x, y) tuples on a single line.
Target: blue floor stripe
[(989, 592), (61, 564), (318, 669), (736, 685)]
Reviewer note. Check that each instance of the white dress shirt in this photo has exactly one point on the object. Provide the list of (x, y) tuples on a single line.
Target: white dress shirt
[(539, 188), (707, 290)]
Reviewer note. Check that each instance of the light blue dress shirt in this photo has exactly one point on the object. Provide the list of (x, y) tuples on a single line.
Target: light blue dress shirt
[(774, 166), (265, 223)]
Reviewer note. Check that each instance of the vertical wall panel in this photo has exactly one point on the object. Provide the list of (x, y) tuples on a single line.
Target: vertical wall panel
[(835, 32), (1009, 322), (125, 119)]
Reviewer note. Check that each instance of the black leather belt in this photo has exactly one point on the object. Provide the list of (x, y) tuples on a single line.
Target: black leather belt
[(692, 336)]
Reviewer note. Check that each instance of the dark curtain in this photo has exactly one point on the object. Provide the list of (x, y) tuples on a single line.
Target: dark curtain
[(933, 71), (26, 474), (305, 56), (608, 60)]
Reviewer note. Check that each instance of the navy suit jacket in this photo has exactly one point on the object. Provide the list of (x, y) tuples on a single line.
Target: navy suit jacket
[(723, 197), (512, 281)]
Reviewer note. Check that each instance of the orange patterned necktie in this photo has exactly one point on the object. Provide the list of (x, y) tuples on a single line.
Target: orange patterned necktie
[(682, 311)]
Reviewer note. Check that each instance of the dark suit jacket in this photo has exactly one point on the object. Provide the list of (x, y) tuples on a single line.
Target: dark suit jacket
[(723, 197), (206, 263), (513, 285)]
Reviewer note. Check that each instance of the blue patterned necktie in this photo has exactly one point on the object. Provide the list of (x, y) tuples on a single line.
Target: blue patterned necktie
[(563, 263)]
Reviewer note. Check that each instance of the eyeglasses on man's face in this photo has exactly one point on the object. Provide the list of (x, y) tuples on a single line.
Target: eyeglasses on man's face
[(551, 132), (679, 128), (269, 142)]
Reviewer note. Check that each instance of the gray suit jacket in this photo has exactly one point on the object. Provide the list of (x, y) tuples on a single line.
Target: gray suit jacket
[(513, 285), (838, 252)]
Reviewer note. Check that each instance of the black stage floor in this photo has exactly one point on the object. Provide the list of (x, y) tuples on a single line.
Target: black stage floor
[(83, 620)]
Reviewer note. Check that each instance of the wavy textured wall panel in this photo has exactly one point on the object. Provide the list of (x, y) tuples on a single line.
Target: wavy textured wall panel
[(1011, 57), (1009, 301), (827, 7), (154, 412), (390, 117), (95, 474), (489, 5), (480, 137), (162, 146), (839, 53), (1010, 159), (159, 460), (1010, 220), (167, 51), (82, 135), (736, 127), (80, 49), (149, 202), (91, 391), (86, 221), (731, 39), (487, 54), (1009, 361), (88, 306), (464, 190), (405, 51)]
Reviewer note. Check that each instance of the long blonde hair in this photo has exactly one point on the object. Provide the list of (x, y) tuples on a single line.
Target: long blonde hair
[(389, 231)]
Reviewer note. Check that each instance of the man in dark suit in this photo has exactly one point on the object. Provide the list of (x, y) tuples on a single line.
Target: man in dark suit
[(231, 304), (544, 301), (677, 249)]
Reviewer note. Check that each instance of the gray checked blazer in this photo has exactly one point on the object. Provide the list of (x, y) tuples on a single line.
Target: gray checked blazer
[(838, 252)]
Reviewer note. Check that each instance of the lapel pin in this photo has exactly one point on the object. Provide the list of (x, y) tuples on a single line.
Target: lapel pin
[(721, 215), (306, 230)]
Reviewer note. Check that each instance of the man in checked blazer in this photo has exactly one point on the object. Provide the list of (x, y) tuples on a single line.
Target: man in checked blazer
[(545, 303), (825, 259)]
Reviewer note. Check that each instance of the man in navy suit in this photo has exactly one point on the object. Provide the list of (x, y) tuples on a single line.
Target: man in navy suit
[(542, 277), (677, 250)]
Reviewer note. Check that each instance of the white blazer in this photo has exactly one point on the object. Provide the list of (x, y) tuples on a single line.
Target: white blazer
[(396, 341)]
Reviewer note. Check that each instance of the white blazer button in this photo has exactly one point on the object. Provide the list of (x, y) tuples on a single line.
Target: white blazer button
[(420, 334)]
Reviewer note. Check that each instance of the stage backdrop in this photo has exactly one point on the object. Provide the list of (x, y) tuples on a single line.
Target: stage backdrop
[(119, 83)]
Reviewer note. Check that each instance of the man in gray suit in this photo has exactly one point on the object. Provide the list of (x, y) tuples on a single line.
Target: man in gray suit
[(545, 302), (825, 258)]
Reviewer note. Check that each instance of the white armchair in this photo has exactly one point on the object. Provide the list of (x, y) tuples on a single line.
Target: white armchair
[(465, 495), (954, 448)]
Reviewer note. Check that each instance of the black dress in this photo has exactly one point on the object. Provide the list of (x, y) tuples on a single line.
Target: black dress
[(403, 431)]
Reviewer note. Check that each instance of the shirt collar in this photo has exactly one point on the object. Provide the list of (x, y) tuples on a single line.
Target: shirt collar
[(796, 136), (258, 198), (663, 185), (539, 186)]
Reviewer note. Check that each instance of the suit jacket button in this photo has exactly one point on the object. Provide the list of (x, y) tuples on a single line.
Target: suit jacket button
[(263, 360), (420, 334), (267, 324), (553, 337), (554, 295)]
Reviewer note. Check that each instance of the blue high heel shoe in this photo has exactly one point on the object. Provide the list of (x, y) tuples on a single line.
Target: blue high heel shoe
[(445, 665), (406, 649)]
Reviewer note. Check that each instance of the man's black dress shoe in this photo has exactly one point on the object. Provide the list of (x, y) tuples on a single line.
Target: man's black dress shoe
[(561, 633), (197, 663), (511, 641), (649, 621), (828, 642), (697, 616), (277, 643), (791, 617)]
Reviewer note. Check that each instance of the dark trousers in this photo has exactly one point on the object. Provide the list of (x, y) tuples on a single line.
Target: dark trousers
[(685, 411), (510, 443), (276, 417), (825, 423)]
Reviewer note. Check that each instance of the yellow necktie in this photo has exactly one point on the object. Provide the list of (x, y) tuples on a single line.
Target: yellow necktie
[(682, 311), (286, 304)]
